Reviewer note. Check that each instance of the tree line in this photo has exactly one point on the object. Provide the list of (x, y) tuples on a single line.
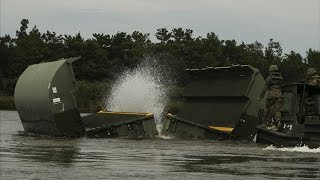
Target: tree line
[(104, 56)]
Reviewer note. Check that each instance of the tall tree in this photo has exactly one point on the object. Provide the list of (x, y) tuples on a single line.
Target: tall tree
[(313, 59), (163, 35)]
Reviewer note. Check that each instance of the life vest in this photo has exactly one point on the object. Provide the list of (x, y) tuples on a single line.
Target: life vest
[(275, 81), (314, 80)]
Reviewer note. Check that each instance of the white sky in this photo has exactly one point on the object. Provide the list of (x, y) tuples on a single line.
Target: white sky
[(294, 23)]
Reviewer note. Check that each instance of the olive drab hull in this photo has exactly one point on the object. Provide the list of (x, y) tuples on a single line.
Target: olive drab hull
[(222, 99), (46, 105), (44, 99), (180, 128), (120, 124)]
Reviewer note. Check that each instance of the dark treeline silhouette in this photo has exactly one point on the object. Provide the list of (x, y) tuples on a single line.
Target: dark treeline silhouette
[(105, 56)]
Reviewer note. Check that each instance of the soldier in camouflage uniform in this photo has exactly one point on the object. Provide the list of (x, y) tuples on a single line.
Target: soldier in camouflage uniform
[(312, 79), (272, 115)]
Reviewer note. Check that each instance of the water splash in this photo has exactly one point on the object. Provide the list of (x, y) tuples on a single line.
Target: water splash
[(161, 136), (293, 149), (141, 90)]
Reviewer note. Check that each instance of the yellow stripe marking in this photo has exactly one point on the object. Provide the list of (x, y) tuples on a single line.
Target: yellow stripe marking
[(169, 115), (224, 129), (125, 113)]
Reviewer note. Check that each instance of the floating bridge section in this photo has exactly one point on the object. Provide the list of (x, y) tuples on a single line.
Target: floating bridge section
[(222, 99), (44, 98)]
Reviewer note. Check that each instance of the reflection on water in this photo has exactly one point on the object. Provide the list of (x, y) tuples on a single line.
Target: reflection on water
[(27, 157), (243, 165), (60, 151)]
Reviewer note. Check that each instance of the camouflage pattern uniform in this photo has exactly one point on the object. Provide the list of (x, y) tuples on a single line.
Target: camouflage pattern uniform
[(272, 115), (312, 79)]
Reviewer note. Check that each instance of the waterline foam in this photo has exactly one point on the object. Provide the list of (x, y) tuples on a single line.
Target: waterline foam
[(293, 149)]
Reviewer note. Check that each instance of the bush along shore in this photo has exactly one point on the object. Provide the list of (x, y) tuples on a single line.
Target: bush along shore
[(7, 103), (105, 57)]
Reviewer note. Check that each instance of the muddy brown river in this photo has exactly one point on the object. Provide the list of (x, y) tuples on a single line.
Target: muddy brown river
[(27, 157)]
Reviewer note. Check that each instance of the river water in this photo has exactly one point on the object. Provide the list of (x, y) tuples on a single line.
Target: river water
[(26, 157)]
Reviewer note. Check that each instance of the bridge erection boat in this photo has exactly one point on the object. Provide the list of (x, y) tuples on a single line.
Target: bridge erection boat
[(300, 118)]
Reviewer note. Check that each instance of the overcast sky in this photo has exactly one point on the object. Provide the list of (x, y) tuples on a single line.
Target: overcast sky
[(294, 23)]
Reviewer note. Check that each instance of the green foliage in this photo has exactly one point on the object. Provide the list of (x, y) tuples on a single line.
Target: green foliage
[(104, 56), (7, 102), (7, 86), (313, 59), (292, 67), (90, 95)]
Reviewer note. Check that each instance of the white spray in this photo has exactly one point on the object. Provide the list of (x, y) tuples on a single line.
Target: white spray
[(140, 90), (293, 149)]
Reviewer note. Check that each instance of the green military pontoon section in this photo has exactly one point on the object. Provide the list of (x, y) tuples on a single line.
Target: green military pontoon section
[(46, 105), (222, 98), (120, 124), (44, 99), (184, 129)]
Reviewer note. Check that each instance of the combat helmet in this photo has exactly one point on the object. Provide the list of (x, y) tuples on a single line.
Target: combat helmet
[(273, 68), (311, 71)]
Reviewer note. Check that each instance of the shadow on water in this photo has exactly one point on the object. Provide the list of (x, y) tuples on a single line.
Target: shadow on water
[(248, 165)]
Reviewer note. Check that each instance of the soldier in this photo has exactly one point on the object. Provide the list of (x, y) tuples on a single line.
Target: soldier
[(272, 115), (312, 77)]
